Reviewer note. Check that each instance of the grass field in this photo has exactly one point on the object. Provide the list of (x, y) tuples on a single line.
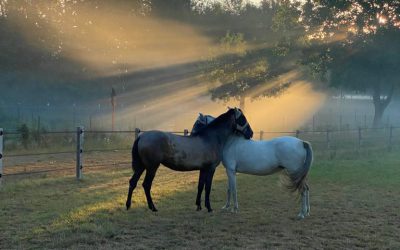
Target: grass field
[(354, 204)]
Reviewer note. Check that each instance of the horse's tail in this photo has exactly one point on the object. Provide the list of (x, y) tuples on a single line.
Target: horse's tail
[(298, 179), (136, 160)]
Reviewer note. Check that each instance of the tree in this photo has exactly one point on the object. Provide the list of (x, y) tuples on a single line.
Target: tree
[(237, 71), (354, 44)]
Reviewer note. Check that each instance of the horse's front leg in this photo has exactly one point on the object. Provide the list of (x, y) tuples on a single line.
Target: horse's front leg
[(232, 186), (200, 187), (209, 178), (228, 199), (228, 194)]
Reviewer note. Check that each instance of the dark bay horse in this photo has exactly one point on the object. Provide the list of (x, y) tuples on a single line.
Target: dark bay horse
[(184, 153), (242, 129)]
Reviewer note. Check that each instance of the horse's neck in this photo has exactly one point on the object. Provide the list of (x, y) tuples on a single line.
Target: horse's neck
[(221, 133), (234, 138)]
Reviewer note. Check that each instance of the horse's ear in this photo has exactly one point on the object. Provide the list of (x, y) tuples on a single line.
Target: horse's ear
[(200, 115), (237, 113)]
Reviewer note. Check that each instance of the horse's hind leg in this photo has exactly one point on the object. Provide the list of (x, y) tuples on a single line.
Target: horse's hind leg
[(132, 185), (305, 207), (307, 199), (148, 180), (209, 178), (200, 187)]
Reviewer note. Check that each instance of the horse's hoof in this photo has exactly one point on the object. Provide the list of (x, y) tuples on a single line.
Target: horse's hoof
[(154, 209), (128, 205), (300, 216), (198, 208), (225, 207), (234, 210), (210, 210)]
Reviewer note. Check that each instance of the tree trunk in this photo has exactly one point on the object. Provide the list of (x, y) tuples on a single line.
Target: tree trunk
[(242, 103), (380, 104), (378, 114)]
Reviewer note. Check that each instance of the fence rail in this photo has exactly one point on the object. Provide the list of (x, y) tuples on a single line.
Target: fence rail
[(355, 139)]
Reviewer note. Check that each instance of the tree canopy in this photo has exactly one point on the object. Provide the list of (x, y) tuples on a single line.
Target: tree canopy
[(354, 45)]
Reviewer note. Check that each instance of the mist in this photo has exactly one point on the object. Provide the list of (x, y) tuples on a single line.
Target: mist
[(62, 59)]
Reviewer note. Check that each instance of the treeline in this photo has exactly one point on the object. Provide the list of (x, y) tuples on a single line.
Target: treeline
[(348, 45)]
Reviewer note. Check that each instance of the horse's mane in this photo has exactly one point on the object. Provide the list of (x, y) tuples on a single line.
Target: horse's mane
[(217, 121)]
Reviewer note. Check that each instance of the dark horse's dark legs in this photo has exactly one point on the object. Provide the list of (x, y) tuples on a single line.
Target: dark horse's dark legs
[(200, 187), (148, 180), (132, 185), (205, 179), (209, 178)]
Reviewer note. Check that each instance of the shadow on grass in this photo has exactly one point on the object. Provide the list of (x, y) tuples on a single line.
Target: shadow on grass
[(347, 212)]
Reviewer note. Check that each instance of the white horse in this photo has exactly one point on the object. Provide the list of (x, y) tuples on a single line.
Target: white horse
[(265, 157)]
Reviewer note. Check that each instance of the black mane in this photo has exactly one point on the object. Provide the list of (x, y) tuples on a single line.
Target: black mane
[(222, 118)]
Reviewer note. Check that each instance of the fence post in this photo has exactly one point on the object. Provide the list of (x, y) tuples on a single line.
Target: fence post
[(261, 134), (185, 132), (328, 139), (365, 121), (137, 131), (313, 123), (359, 138), (79, 152), (297, 133), (1, 155), (390, 138)]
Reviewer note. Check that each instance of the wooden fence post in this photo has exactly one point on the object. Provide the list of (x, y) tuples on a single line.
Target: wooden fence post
[(313, 123), (79, 152), (359, 138), (328, 139), (1, 155), (137, 131), (390, 138), (185, 132), (261, 134), (365, 121)]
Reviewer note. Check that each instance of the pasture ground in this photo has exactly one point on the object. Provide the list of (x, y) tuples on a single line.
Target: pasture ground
[(354, 204)]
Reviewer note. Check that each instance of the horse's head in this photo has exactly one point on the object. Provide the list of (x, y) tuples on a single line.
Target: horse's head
[(201, 122), (242, 125), (239, 122)]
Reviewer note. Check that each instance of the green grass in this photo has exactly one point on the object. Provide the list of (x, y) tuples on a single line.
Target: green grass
[(354, 204)]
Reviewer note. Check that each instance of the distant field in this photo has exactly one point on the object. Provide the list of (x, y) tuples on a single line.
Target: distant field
[(354, 204)]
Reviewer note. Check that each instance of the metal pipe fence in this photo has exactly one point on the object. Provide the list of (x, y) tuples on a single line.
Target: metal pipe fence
[(64, 144)]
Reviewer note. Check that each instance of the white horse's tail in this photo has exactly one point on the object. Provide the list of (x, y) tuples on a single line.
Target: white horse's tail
[(298, 179)]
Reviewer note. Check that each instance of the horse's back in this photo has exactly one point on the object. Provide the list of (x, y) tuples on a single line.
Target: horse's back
[(249, 156), (263, 157), (181, 153)]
